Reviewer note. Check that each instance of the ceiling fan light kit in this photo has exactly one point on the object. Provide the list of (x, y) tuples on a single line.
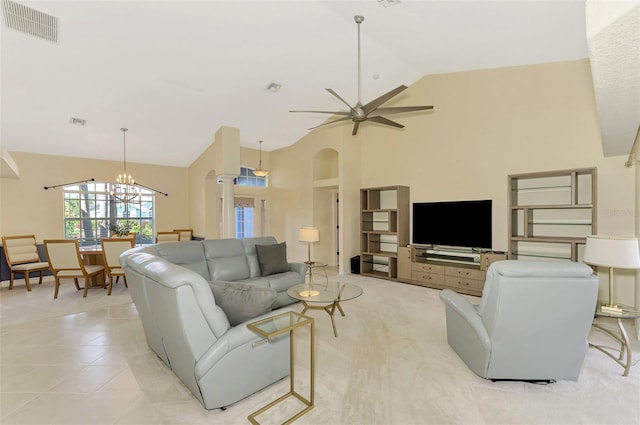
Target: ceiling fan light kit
[(370, 111)]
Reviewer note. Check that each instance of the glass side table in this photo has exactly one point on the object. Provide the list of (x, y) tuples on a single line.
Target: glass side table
[(316, 265), (621, 355), (277, 325)]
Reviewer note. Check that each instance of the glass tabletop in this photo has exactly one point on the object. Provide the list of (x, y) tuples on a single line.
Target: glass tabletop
[(276, 325), (627, 312), (325, 292)]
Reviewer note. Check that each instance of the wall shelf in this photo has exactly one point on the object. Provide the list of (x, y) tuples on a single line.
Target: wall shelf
[(384, 226), (552, 213)]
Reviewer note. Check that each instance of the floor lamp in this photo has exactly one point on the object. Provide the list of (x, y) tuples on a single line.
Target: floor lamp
[(612, 252), (309, 235)]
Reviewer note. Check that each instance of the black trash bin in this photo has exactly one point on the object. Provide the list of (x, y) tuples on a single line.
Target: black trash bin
[(355, 264)]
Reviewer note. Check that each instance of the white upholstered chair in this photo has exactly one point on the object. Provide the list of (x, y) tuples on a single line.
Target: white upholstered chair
[(111, 250), (66, 262), (22, 258), (164, 237), (185, 234)]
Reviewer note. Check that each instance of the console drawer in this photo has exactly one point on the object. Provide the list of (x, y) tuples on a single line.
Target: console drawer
[(436, 279), (464, 283), (465, 273), (427, 268)]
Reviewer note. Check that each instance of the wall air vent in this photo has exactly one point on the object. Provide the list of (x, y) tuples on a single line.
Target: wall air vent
[(30, 21)]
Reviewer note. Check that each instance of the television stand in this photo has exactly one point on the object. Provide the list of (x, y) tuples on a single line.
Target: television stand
[(461, 270)]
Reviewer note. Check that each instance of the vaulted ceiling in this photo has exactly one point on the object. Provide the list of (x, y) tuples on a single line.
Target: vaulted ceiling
[(173, 72)]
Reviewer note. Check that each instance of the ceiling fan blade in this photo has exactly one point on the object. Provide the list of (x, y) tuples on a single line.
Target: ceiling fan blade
[(356, 125), (369, 107), (397, 110), (383, 120), (328, 112), (341, 99), (331, 122)]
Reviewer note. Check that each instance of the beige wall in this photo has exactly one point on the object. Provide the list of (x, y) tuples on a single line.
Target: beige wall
[(486, 125), (26, 208)]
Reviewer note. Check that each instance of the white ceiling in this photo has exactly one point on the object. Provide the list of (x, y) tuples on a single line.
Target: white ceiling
[(173, 72)]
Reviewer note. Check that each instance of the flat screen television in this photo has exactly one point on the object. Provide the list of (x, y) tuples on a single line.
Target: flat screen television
[(455, 223)]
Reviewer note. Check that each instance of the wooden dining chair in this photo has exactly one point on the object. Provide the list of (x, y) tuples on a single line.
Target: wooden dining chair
[(111, 250), (66, 262), (22, 257), (185, 234), (164, 237)]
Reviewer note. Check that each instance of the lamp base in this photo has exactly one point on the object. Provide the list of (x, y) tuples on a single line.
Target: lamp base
[(309, 293), (611, 309)]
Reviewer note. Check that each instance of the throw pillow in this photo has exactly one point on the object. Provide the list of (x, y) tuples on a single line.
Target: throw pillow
[(272, 258), (241, 302)]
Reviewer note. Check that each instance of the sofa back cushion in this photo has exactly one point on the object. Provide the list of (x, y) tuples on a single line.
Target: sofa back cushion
[(226, 259), (249, 245), (189, 255)]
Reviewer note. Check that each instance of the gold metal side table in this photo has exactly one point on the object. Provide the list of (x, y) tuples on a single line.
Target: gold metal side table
[(277, 325), (621, 355)]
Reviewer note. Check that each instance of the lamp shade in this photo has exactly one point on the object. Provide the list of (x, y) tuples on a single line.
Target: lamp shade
[(309, 234), (612, 251)]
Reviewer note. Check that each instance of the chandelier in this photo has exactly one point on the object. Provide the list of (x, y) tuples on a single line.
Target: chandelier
[(124, 189), (259, 171)]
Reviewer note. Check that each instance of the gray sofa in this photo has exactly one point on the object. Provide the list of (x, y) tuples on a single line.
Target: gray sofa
[(186, 327)]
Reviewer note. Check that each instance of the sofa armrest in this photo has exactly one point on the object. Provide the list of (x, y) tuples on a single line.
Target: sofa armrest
[(233, 338), (300, 268)]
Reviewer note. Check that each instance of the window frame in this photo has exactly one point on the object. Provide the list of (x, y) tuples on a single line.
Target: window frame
[(102, 209)]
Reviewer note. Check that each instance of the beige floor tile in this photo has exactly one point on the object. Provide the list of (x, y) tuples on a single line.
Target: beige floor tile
[(10, 402), (140, 413), (88, 379), (39, 379), (46, 408), (98, 408)]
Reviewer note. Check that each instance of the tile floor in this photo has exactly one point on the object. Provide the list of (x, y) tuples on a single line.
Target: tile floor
[(84, 361)]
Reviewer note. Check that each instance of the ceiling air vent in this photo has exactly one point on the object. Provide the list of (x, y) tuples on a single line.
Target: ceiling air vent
[(30, 21)]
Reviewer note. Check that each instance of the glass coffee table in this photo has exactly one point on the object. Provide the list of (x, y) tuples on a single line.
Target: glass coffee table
[(331, 294)]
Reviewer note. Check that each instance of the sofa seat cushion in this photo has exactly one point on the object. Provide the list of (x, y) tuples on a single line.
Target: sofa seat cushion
[(272, 258), (283, 281), (242, 302)]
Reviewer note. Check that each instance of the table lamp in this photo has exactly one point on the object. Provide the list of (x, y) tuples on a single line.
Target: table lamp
[(612, 252), (309, 235)]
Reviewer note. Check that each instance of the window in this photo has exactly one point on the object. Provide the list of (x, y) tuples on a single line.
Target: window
[(89, 210), (247, 178), (244, 208)]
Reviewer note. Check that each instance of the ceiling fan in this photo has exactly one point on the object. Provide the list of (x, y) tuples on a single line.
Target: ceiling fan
[(371, 111)]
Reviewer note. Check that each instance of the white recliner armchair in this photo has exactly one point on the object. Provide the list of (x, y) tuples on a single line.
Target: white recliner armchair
[(532, 323)]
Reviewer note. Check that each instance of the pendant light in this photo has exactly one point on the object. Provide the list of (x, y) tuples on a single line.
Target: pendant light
[(124, 189), (259, 171)]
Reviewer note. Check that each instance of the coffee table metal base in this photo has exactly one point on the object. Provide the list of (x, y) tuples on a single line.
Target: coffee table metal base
[(329, 308)]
